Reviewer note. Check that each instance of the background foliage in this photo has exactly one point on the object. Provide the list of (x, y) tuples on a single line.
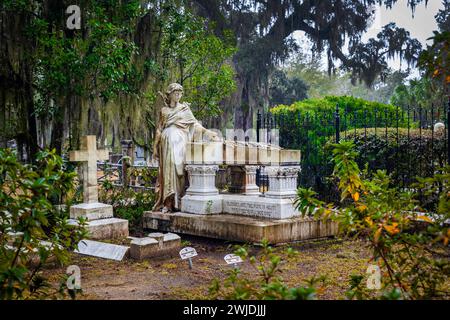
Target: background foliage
[(103, 79), (409, 246), (128, 202), (32, 229), (269, 284)]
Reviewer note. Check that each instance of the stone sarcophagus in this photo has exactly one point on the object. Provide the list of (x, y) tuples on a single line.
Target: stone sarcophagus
[(243, 196)]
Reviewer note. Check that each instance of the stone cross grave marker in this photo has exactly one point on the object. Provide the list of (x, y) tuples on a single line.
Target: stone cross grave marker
[(89, 155), (101, 223)]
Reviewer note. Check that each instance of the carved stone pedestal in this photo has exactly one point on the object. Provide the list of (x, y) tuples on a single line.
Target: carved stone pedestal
[(259, 207), (202, 196), (110, 228), (243, 180), (282, 181)]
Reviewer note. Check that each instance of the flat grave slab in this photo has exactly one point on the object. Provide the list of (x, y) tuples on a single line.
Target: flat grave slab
[(102, 250)]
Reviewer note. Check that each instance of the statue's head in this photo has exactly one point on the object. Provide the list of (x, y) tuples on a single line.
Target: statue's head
[(174, 92)]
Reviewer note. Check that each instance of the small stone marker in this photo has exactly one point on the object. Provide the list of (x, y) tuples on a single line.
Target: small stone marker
[(102, 250), (188, 253), (142, 248), (232, 259), (439, 127), (154, 245)]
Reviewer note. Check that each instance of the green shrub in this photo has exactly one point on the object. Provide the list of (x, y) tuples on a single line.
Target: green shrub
[(134, 210), (309, 124), (32, 229), (349, 103), (268, 285), (406, 154), (128, 203), (413, 260)]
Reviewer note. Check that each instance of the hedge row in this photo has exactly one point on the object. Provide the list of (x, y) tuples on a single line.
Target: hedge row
[(405, 153), (346, 103)]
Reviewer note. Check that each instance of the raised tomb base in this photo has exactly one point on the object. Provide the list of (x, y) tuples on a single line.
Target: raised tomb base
[(239, 228), (241, 205)]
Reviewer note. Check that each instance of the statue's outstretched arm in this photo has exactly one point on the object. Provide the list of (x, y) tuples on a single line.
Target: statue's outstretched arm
[(211, 135)]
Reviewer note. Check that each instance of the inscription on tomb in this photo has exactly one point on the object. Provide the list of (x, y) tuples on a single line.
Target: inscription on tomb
[(248, 208)]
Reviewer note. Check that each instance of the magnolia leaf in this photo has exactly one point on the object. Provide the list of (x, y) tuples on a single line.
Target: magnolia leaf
[(424, 218), (377, 235), (392, 229), (362, 208), (369, 221)]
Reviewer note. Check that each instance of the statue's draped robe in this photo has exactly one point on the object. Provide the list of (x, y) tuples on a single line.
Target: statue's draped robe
[(177, 127)]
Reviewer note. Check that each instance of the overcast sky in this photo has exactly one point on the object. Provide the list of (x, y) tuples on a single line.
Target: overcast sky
[(421, 25)]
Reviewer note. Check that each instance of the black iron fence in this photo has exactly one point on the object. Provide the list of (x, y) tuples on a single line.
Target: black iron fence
[(122, 174), (406, 142)]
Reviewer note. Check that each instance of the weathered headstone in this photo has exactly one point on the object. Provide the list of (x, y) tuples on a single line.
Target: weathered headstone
[(139, 158), (158, 236), (102, 250), (101, 224)]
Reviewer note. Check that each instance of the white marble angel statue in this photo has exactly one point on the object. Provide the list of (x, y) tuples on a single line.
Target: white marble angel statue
[(176, 127)]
